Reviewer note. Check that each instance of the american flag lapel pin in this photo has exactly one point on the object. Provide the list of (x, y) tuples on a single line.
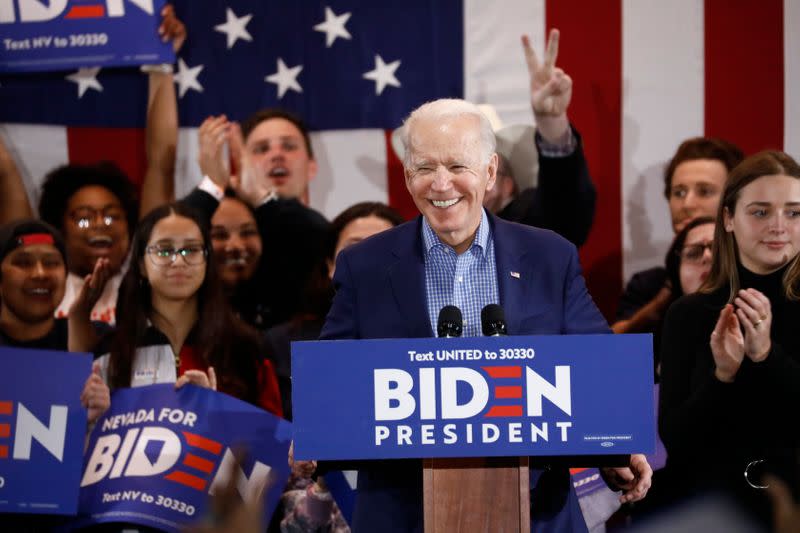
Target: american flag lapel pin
[(514, 274)]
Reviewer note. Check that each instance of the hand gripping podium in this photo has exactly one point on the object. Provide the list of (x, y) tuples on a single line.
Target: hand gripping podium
[(474, 410)]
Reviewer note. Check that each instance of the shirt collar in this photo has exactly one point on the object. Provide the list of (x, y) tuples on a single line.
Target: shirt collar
[(431, 240)]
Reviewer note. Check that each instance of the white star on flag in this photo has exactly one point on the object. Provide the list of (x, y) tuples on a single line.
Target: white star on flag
[(285, 78), (383, 74), (235, 27), (334, 26), (86, 78), (186, 78)]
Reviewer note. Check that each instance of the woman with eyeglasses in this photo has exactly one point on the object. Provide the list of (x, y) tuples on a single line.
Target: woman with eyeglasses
[(730, 359), (688, 262), (177, 326), (689, 258)]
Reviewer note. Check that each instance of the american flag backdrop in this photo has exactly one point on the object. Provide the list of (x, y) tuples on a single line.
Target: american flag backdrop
[(647, 74)]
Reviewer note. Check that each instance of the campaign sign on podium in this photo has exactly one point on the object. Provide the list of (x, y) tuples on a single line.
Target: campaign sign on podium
[(473, 397)]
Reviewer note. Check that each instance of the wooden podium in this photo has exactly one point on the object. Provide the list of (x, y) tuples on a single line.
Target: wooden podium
[(476, 494)]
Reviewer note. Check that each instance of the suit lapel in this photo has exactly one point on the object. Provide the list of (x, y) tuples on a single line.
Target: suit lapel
[(513, 274), (407, 279)]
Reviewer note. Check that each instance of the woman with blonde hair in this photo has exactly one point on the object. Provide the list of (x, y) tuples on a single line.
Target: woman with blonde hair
[(731, 353)]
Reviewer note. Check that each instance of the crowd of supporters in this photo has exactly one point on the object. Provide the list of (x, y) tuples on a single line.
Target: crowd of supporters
[(213, 287)]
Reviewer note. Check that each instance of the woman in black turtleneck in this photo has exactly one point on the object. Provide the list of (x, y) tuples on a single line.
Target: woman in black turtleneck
[(730, 377)]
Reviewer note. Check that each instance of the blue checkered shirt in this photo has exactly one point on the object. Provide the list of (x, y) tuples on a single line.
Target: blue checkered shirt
[(467, 281)]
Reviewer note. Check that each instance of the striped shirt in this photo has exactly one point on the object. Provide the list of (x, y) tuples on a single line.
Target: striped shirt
[(467, 281)]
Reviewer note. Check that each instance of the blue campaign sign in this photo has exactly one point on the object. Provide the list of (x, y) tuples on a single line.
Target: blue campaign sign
[(473, 397), (42, 429), (157, 454), (66, 34)]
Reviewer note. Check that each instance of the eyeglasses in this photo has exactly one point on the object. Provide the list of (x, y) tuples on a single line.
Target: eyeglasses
[(85, 217), (693, 253), (166, 255)]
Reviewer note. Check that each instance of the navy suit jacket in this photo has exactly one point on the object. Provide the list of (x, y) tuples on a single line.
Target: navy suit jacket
[(380, 293)]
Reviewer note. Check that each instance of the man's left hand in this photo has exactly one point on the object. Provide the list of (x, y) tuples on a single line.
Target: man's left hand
[(634, 480)]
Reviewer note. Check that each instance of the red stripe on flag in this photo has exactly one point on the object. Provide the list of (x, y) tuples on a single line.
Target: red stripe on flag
[(507, 392), (198, 463), (187, 479), (3, 452), (123, 146), (5, 430), (86, 12), (503, 371), (590, 52), (744, 72), (396, 182), (196, 441), (5, 408), (504, 410)]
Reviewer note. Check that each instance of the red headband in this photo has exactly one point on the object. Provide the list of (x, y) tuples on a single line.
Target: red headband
[(35, 238)]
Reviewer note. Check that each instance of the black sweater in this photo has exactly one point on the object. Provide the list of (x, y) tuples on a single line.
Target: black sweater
[(713, 430)]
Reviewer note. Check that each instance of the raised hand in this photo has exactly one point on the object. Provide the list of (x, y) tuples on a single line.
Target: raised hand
[(551, 87), (93, 286), (95, 397), (755, 316), (212, 136), (727, 345), (251, 182)]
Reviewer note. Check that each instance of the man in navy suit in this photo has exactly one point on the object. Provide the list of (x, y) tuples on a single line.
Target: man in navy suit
[(394, 284)]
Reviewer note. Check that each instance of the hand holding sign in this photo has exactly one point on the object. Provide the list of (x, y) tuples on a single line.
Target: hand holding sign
[(199, 378), (172, 29), (95, 395)]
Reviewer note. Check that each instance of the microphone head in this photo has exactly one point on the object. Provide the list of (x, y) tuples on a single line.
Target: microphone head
[(493, 321), (450, 322)]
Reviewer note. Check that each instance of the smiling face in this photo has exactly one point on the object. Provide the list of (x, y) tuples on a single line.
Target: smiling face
[(236, 242), (277, 149), (32, 282), (178, 279), (95, 225), (448, 176), (766, 223)]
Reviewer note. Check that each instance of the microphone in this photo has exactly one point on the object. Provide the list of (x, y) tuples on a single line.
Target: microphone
[(450, 322), (493, 321)]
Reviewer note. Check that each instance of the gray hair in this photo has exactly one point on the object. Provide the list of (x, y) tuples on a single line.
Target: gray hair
[(449, 108)]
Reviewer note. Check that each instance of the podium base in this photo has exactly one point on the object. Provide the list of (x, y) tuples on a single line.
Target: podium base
[(476, 494)]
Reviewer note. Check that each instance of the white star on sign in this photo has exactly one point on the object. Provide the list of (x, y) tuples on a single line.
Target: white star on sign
[(86, 78), (285, 78), (234, 27), (383, 74), (334, 26), (186, 78)]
